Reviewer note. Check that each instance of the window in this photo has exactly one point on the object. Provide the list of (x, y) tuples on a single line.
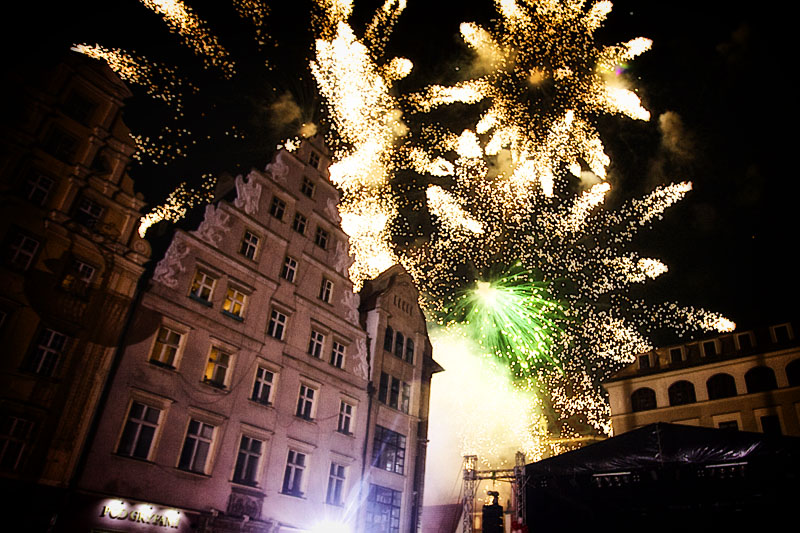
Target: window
[(399, 341), (47, 353), (15, 433), (336, 485), (277, 325), (721, 386), (293, 475), (321, 239), (37, 188), (345, 418), (234, 303), (394, 392), (165, 349), (139, 431), (313, 159), (389, 450), (315, 344), (196, 447), (326, 290), (410, 351), (307, 188), (305, 402), (202, 287), (78, 107), (760, 379), (289, 269), (383, 510), (643, 399), (88, 212), (61, 144), (247, 461), (249, 245), (793, 373), (745, 341), (681, 393), (277, 208), (781, 333), (644, 361), (388, 339), (21, 250), (217, 367), (337, 355), (730, 425), (299, 223), (710, 348), (263, 386), (78, 276), (770, 425), (675, 355)]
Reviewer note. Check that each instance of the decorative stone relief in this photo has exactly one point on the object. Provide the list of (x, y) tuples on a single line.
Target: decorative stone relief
[(362, 369), (332, 210), (342, 260), (278, 168), (350, 301), (170, 265), (241, 503), (248, 193), (213, 227)]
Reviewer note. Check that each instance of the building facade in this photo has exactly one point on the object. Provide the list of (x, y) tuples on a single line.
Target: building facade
[(747, 380), (71, 261), (242, 401)]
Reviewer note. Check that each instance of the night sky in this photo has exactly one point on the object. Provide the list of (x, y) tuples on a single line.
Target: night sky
[(718, 77)]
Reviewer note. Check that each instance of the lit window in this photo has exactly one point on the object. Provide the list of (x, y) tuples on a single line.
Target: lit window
[(277, 325), (249, 245), (48, 352), (217, 367), (277, 208), (389, 450), (234, 303), (383, 509), (88, 212), (196, 447), (263, 386), (21, 250), (15, 433), (326, 290), (321, 239), (315, 344), (307, 188), (202, 287), (289, 269), (337, 355), (345, 418), (336, 485), (247, 461), (313, 159), (305, 402), (299, 223), (165, 349), (293, 475), (140, 429), (37, 188)]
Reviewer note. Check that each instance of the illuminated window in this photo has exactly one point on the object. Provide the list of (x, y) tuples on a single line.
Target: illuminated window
[(389, 450), (346, 412), (315, 344), (165, 349), (307, 188), (306, 402), (336, 484), (681, 393), (247, 461), (203, 287), (88, 212), (293, 475), (326, 290), (249, 245), (48, 351), (299, 223), (263, 386), (234, 303), (15, 433), (196, 447), (139, 431), (383, 510), (337, 354), (277, 208), (321, 238), (289, 269), (216, 373), (277, 325), (21, 250), (37, 188)]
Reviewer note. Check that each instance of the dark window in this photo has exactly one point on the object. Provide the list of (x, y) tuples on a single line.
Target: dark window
[(335, 485), (644, 362), (78, 107), (389, 450), (345, 418), (20, 250), (61, 145), (289, 269), (399, 343), (196, 447), (388, 339), (140, 428), (321, 239), (262, 388), (277, 325), (88, 212), (771, 425), (299, 223), (760, 379), (681, 393), (730, 425), (246, 470), (675, 355), (745, 342), (383, 510), (305, 402), (249, 245), (394, 392), (721, 386), (15, 434), (709, 348), (782, 334), (643, 399), (313, 159), (37, 188), (307, 188), (277, 208), (47, 353), (410, 351), (293, 475), (337, 354), (793, 373)]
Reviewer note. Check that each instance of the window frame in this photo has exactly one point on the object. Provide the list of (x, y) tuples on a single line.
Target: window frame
[(235, 296), (213, 364), (88, 212), (299, 223), (322, 237), (307, 400), (294, 478), (34, 191), (277, 208), (289, 269), (316, 344), (47, 362), (276, 327), (388, 512), (191, 466), (18, 244), (140, 422), (337, 477), (198, 284), (338, 354), (15, 441), (254, 471), (249, 246), (389, 450), (182, 332), (308, 187), (346, 418), (326, 290), (259, 383)]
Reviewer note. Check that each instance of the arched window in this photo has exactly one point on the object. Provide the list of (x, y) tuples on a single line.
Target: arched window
[(410, 350), (398, 344), (760, 379), (388, 339), (681, 393), (721, 386), (793, 373), (643, 399)]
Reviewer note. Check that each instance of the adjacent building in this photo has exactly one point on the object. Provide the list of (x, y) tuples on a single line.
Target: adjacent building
[(71, 260), (747, 380)]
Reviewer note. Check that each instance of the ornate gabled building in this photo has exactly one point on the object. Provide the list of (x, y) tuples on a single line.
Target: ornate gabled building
[(71, 261), (747, 380)]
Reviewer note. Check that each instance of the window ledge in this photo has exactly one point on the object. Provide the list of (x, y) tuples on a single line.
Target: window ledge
[(219, 386), (160, 364), (301, 495), (231, 315), (200, 300)]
